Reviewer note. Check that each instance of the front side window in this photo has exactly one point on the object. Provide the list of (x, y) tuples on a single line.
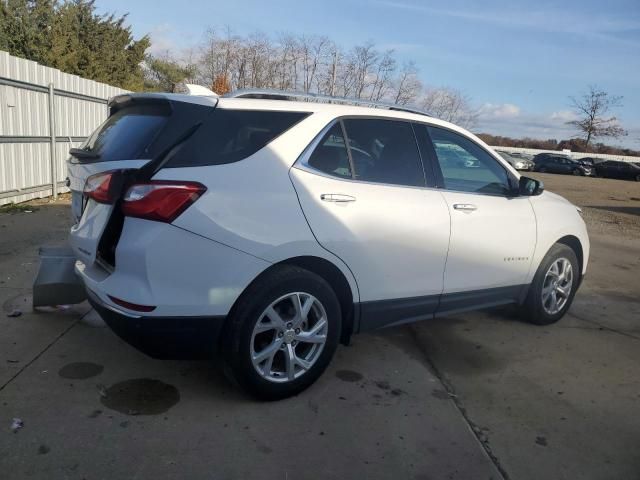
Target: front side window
[(384, 151), (466, 166)]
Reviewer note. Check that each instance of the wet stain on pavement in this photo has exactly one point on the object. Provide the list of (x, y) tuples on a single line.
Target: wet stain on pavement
[(80, 370), (384, 385), (446, 343), (141, 396), (541, 441), (43, 450), (349, 376)]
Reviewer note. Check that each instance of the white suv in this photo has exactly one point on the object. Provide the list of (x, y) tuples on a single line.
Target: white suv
[(269, 230)]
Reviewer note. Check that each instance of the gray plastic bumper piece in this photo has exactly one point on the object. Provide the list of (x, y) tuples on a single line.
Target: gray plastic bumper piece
[(57, 282)]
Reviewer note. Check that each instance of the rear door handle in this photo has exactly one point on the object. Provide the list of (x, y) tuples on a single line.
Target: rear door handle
[(466, 207), (337, 198)]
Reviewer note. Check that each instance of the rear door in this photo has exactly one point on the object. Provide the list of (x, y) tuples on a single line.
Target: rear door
[(367, 204), (138, 129), (493, 232)]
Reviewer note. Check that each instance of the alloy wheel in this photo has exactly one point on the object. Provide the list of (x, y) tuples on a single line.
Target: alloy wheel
[(289, 337), (557, 285)]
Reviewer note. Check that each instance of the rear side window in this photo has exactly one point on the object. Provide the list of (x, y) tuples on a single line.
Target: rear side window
[(330, 156), (384, 151), (127, 133), (228, 136)]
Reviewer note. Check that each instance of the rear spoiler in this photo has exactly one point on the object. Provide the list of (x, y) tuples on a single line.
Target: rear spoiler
[(120, 101)]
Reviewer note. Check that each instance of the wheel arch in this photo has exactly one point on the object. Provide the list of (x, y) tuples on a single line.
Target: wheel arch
[(334, 277), (574, 244), (338, 282)]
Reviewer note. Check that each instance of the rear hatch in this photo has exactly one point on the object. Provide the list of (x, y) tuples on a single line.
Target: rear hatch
[(142, 130)]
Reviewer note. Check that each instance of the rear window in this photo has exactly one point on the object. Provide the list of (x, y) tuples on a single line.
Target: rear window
[(228, 136), (128, 133)]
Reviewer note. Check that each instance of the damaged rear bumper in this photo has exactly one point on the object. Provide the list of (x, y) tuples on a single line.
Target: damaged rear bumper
[(175, 338)]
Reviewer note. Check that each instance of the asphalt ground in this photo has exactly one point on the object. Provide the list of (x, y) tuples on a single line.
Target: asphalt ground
[(474, 396)]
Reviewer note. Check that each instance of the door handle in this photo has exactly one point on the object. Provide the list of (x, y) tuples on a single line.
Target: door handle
[(466, 207), (337, 198)]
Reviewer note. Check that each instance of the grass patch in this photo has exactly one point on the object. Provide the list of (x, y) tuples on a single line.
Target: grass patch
[(17, 208)]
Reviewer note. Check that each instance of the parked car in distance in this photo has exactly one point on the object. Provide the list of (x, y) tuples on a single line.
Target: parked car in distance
[(588, 161), (516, 161), (617, 169), (264, 232), (557, 163)]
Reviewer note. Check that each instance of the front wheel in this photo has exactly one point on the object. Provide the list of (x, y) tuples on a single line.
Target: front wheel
[(637, 178), (554, 286), (578, 172), (282, 333)]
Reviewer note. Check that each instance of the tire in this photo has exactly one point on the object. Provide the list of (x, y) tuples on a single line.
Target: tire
[(277, 290), (536, 306), (542, 169), (578, 172), (637, 178)]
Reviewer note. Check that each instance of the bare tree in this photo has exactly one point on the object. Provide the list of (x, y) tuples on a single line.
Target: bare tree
[(383, 76), (328, 78), (408, 85), (593, 109), (312, 53), (288, 62), (217, 57), (450, 105), (364, 59), (316, 64)]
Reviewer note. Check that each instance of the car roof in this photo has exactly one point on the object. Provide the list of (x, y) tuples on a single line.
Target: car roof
[(331, 109), (334, 110)]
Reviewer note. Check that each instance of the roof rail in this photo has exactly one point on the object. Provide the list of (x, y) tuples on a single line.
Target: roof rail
[(272, 94)]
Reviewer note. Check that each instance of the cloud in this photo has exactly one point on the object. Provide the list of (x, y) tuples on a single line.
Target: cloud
[(161, 39), (563, 116), (496, 111)]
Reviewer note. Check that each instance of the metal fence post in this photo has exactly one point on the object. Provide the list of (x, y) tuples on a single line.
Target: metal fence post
[(52, 134)]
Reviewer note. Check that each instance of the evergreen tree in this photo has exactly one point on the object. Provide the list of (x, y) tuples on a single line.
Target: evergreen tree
[(72, 37)]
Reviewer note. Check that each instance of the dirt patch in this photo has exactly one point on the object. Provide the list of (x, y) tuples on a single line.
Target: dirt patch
[(608, 206)]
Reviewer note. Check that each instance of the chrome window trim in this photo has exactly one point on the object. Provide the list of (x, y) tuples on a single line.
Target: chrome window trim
[(301, 162)]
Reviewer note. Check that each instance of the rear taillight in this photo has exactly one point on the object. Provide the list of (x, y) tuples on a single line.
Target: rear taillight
[(100, 187), (132, 306), (162, 201)]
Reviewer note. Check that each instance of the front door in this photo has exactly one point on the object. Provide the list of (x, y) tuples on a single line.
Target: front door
[(493, 233)]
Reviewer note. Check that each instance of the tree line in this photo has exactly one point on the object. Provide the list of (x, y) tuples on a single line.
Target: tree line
[(312, 64), (573, 144)]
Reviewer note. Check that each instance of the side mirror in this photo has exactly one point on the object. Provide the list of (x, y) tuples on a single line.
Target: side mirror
[(529, 187)]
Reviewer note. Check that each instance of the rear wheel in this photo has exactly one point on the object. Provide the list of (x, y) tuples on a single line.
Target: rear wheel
[(282, 333), (554, 286), (542, 169), (637, 178)]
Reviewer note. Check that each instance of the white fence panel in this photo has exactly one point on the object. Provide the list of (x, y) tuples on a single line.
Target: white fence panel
[(79, 106)]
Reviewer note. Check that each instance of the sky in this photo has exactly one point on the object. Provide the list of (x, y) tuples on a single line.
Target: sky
[(517, 60)]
